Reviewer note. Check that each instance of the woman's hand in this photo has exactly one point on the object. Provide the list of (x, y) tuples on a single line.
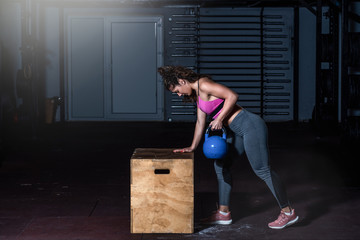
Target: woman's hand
[(182, 150), (216, 124)]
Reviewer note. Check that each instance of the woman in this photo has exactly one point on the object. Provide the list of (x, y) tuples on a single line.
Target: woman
[(250, 133)]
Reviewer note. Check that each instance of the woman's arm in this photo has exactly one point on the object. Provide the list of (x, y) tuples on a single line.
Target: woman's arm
[(198, 133)]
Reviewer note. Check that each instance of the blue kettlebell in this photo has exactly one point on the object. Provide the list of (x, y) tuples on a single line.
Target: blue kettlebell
[(215, 147)]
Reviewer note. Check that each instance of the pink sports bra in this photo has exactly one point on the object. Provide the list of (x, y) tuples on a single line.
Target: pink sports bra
[(209, 106)]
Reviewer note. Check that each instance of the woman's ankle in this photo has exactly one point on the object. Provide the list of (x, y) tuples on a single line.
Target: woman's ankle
[(224, 208), (287, 209)]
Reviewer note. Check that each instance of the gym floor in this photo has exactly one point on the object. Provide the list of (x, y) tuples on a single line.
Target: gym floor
[(71, 182)]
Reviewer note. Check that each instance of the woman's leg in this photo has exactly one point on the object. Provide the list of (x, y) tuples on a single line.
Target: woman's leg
[(253, 131), (223, 173), (257, 151), (222, 215)]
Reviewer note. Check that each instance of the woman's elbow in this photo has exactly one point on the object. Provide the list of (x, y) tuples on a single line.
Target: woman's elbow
[(234, 97)]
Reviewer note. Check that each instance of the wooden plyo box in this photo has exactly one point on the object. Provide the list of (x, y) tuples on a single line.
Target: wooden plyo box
[(162, 191)]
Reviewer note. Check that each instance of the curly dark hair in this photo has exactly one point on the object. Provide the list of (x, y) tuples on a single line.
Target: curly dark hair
[(171, 74)]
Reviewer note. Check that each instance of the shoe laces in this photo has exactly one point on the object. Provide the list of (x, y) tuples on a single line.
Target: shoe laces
[(281, 217)]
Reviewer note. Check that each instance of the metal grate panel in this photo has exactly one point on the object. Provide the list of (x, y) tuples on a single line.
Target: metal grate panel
[(248, 50)]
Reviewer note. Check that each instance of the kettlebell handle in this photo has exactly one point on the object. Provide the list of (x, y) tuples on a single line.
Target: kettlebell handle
[(209, 128)]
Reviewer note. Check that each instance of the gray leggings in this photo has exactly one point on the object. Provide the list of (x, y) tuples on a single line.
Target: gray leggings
[(250, 136)]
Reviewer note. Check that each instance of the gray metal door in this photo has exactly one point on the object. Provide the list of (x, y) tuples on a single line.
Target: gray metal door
[(135, 90), (85, 85), (112, 68)]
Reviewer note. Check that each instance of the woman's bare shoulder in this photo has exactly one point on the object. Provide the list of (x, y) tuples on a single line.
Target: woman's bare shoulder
[(206, 84), (205, 79)]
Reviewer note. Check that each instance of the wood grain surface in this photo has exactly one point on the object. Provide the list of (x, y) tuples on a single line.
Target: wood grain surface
[(162, 191)]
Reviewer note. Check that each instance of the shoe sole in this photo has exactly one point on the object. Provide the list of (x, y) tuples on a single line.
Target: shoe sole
[(286, 225), (219, 222)]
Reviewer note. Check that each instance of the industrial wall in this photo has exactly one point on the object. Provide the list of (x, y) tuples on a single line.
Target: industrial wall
[(80, 56)]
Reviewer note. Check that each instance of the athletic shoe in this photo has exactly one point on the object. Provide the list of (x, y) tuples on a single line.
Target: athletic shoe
[(284, 220), (218, 218)]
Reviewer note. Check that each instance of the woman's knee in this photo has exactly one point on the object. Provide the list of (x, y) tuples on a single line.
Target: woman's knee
[(218, 166), (223, 172), (263, 173)]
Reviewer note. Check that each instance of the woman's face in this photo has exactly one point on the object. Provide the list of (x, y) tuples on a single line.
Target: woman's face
[(183, 88)]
